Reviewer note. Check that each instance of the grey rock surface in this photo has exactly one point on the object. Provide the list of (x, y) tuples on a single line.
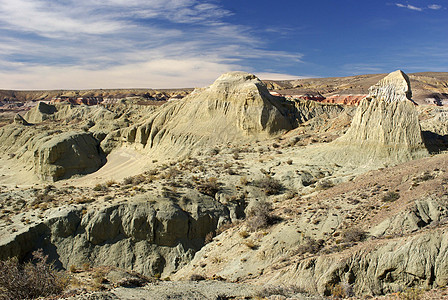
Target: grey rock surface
[(150, 237)]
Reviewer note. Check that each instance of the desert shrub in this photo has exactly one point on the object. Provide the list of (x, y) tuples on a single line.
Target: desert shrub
[(127, 180), (137, 179), (337, 291), (324, 185), (276, 290), (84, 200), (244, 180), (289, 161), (224, 227), (49, 188), (43, 198), (390, 197), (411, 294), (424, 177), (310, 245), (209, 187), (100, 187), (352, 235), (209, 237), (196, 277), (73, 269), (259, 216), (270, 186), (251, 244), (30, 281), (244, 234), (110, 183)]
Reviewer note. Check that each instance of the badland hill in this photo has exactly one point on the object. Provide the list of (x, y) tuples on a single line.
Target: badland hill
[(232, 192)]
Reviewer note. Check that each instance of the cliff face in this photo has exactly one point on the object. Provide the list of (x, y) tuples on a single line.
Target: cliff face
[(146, 234)]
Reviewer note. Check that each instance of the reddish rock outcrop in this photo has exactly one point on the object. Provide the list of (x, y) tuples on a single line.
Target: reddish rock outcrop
[(344, 99)]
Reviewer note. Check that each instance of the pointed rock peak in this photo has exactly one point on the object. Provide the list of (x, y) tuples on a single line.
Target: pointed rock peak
[(392, 88)]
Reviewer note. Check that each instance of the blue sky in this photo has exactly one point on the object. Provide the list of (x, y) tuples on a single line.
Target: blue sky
[(81, 44)]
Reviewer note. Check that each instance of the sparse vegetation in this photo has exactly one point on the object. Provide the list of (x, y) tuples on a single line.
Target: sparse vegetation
[(413, 293), (30, 280), (353, 235), (276, 290), (196, 277), (390, 196), (209, 187), (251, 244), (270, 186), (260, 216), (310, 245), (244, 234)]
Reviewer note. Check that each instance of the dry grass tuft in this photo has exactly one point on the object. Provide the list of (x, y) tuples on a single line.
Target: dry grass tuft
[(30, 281)]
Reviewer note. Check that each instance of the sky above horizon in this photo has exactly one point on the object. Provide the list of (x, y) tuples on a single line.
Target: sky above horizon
[(85, 44)]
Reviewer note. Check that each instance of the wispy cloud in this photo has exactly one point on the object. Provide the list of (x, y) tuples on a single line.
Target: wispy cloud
[(435, 6), (408, 6), (416, 8), (152, 43)]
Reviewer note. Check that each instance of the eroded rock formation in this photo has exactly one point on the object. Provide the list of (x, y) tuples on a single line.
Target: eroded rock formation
[(236, 107), (144, 234), (386, 125)]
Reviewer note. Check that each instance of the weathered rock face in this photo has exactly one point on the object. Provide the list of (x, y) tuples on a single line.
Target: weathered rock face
[(309, 109), (236, 107), (68, 154), (67, 112), (386, 126), (40, 113), (145, 235), (420, 260), (394, 87), (18, 119), (53, 155)]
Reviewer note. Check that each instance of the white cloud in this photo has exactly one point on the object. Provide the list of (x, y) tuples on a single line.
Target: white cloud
[(278, 76), (435, 6), (94, 43), (408, 6), (163, 73)]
